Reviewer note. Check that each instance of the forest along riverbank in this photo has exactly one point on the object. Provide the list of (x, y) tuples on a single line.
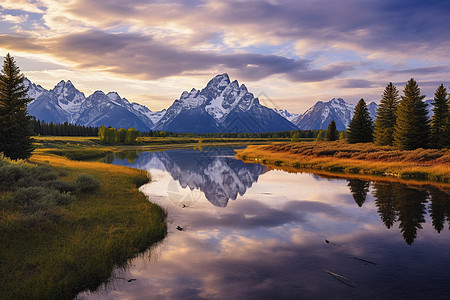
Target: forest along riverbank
[(342, 157)]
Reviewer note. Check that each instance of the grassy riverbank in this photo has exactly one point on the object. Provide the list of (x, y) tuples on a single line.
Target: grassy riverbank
[(341, 157), (60, 248), (90, 148), (51, 142)]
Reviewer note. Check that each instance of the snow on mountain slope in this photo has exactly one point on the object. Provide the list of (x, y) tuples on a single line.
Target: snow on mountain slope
[(154, 116), (285, 114), (222, 106), (69, 99), (65, 103), (34, 90)]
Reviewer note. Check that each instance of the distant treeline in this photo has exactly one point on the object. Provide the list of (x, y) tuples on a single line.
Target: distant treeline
[(279, 134), (112, 135), (62, 129)]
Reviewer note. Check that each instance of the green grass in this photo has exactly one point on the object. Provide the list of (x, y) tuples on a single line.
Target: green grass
[(103, 226), (45, 142), (82, 153)]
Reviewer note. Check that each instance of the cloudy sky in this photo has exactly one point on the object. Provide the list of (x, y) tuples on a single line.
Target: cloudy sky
[(290, 53)]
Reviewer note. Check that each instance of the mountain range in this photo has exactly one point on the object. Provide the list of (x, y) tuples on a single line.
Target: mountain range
[(65, 103), (222, 106)]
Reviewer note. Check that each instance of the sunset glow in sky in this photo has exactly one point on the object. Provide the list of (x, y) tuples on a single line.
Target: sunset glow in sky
[(294, 51)]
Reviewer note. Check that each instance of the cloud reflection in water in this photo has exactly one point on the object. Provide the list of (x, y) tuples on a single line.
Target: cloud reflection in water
[(270, 243)]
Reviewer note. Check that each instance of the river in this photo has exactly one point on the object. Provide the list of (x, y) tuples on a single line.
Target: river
[(241, 231)]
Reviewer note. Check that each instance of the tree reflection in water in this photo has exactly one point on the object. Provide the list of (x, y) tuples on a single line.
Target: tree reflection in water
[(220, 177), (359, 189), (439, 208), (397, 202), (385, 203)]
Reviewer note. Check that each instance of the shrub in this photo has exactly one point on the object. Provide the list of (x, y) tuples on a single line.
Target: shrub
[(35, 198), (87, 183), (62, 186)]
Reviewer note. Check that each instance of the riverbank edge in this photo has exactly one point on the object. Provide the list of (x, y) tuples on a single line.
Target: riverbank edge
[(407, 172), (97, 233)]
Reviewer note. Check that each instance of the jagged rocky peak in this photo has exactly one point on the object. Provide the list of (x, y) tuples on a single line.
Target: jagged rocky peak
[(220, 80), (67, 93), (186, 95), (216, 85), (97, 96), (34, 90), (63, 85), (191, 99), (115, 97)]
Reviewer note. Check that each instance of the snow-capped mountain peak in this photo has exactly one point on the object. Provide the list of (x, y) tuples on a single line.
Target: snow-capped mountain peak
[(34, 90), (285, 114), (114, 97), (222, 106)]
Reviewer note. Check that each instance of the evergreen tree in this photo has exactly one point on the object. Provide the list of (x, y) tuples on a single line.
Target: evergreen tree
[(412, 129), (440, 118), (15, 123), (360, 129), (332, 133), (385, 122), (447, 131)]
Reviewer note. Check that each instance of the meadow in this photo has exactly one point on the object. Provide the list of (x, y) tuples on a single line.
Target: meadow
[(364, 158), (67, 229)]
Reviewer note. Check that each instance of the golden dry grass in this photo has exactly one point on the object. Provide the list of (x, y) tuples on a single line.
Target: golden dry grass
[(420, 164)]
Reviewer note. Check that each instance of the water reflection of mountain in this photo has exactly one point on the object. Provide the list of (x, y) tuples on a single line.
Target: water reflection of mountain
[(397, 202), (214, 171)]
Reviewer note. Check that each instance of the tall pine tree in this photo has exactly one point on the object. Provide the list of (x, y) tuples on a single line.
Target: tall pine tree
[(332, 133), (360, 129), (385, 121), (412, 129), (447, 131), (440, 118), (15, 123)]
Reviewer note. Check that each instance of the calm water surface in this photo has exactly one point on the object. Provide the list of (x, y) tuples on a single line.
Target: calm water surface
[(250, 233)]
